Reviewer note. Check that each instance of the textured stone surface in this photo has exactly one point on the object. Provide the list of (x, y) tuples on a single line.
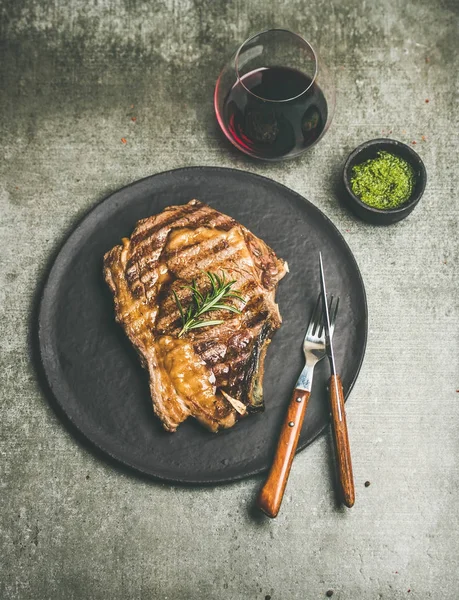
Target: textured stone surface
[(73, 74)]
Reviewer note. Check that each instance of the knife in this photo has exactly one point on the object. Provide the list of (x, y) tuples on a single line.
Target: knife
[(338, 413)]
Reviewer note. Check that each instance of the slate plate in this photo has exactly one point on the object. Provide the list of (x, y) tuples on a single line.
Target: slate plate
[(95, 376)]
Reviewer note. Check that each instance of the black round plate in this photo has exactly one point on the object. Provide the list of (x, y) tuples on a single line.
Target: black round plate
[(95, 376)]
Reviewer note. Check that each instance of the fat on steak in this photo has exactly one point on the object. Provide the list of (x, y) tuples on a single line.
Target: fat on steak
[(214, 373)]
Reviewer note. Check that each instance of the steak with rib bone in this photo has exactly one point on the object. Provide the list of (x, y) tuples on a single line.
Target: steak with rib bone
[(214, 373)]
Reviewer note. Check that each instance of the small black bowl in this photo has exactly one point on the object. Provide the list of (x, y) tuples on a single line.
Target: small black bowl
[(369, 150)]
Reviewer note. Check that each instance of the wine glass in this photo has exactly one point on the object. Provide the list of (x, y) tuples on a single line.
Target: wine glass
[(274, 98)]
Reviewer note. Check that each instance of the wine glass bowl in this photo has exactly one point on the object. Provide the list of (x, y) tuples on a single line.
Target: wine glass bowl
[(274, 98)]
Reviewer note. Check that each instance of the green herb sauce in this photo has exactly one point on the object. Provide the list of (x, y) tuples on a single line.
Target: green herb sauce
[(384, 182)]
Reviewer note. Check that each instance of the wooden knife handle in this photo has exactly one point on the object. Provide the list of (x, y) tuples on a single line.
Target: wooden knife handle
[(270, 497), (341, 438)]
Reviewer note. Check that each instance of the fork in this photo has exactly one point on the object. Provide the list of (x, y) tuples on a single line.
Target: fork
[(270, 497)]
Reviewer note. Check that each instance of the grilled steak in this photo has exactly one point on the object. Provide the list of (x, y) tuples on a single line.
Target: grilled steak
[(214, 373)]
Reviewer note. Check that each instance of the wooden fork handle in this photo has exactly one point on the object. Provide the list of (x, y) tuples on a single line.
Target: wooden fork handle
[(270, 497), (341, 438)]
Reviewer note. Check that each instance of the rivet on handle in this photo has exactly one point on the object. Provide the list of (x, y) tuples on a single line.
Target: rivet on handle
[(291, 424)]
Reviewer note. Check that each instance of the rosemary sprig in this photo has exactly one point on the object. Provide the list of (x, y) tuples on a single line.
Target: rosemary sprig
[(214, 299)]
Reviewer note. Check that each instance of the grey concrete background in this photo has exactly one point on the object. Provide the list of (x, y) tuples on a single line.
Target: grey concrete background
[(73, 73)]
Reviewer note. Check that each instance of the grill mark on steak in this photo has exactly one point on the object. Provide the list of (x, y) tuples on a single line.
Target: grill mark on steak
[(165, 252), (191, 215)]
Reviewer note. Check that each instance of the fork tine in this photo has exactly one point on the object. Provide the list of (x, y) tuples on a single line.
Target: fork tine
[(332, 311), (322, 324), (333, 315), (335, 312), (315, 316)]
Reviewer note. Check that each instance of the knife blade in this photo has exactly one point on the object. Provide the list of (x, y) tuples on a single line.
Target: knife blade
[(326, 315)]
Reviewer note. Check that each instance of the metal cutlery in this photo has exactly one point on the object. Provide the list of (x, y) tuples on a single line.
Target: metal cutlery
[(314, 346)]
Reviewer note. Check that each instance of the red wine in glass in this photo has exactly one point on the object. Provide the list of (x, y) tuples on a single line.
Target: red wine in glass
[(274, 112)]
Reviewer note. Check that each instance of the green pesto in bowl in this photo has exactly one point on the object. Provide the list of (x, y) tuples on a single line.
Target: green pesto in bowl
[(384, 182)]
